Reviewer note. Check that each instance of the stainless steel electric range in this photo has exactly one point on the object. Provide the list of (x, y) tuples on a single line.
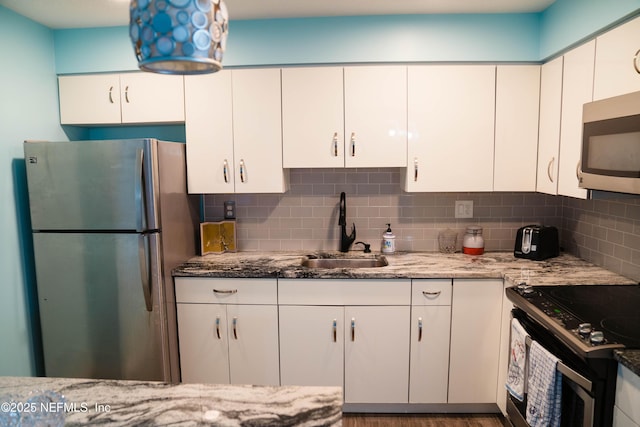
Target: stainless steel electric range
[(582, 326)]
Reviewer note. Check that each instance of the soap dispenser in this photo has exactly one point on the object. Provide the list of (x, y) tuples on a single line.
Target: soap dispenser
[(388, 241)]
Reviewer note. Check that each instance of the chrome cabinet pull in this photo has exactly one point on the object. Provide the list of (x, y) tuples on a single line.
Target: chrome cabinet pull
[(551, 162), (242, 170), (111, 94), (353, 144), (578, 170), (225, 171), (353, 329), (235, 328), (419, 329), (126, 94), (636, 58), (218, 327), (335, 144), (415, 169), (335, 330), (225, 291), (431, 294)]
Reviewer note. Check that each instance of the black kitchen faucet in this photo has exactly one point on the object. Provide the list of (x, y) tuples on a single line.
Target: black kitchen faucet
[(345, 241)]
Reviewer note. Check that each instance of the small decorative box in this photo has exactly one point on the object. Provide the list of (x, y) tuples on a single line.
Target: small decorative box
[(217, 237)]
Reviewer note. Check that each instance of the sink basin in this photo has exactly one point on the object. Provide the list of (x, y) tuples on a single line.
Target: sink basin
[(316, 262)]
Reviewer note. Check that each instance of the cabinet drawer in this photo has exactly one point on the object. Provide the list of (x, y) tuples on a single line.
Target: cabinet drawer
[(431, 291), (344, 292), (226, 291)]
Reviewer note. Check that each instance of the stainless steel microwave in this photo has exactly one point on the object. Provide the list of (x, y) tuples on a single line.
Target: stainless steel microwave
[(610, 158)]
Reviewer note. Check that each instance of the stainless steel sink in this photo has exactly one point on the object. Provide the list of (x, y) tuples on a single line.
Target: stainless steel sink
[(346, 262)]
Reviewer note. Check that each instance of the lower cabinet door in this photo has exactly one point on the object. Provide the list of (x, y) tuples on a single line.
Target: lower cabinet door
[(202, 331), (376, 354), (253, 344), (429, 362), (311, 345)]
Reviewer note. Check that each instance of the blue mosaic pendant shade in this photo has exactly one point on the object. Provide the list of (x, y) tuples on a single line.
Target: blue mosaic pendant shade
[(179, 36)]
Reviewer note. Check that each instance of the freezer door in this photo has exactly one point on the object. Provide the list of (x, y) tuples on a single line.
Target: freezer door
[(92, 185), (95, 319)]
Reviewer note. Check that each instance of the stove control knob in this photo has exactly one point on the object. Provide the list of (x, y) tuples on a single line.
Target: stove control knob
[(584, 329), (596, 337)]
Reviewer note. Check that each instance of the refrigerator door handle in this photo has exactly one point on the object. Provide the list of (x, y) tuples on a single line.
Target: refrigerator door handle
[(139, 190), (145, 271)]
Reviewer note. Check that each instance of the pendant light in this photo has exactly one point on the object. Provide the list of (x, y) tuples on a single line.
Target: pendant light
[(179, 36)]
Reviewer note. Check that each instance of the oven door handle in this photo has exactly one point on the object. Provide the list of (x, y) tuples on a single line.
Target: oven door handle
[(571, 375)]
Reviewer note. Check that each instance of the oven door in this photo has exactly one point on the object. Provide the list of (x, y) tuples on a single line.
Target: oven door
[(578, 399)]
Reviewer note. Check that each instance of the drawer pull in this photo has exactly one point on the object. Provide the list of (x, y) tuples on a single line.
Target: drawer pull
[(225, 291), (235, 328), (218, 327), (335, 330), (419, 329), (431, 294), (353, 329)]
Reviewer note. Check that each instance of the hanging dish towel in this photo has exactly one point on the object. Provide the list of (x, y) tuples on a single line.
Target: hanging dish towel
[(544, 388), (517, 360)]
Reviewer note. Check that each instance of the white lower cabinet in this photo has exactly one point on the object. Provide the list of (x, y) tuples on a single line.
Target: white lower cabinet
[(475, 340), (228, 330), (627, 410), (430, 327)]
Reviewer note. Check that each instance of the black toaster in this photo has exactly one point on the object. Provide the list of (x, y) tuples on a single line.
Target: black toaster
[(536, 242)]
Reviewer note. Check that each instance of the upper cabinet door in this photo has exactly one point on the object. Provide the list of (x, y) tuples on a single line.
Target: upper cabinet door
[(89, 99), (618, 61), (257, 131), (375, 125), (549, 131), (577, 89), (516, 146), (151, 98), (451, 128), (312, 117), (209, 133)]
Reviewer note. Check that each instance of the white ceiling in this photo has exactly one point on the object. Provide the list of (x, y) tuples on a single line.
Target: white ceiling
[(104, 13)]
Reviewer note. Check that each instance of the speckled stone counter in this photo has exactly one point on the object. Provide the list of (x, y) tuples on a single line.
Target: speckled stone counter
[(128, 403), (630, 359), (565, 269)]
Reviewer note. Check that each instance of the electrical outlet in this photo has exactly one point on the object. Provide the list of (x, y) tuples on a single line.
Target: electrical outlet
[(464, 209)]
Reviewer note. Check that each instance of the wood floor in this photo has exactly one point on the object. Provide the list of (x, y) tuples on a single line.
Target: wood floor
[(439, 420)]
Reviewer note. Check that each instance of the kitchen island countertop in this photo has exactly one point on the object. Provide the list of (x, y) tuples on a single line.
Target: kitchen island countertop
[(125, 403)]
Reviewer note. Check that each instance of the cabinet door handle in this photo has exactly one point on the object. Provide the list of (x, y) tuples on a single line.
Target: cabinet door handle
[(419, 329), (353, 144), (578, 170), (353, 329), (242, 170), (225, 171), (335, 144), (335, 330), (431, 294), (218, 327), (415, 169), (111, 94), (126, 94), (551, 162), (225, 291), (235, 328), (636, 58)]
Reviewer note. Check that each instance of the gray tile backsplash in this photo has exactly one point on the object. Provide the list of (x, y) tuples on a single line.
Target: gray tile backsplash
[(605, 232)]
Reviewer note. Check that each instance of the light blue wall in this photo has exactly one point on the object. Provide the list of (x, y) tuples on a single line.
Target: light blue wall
[(28, 110), (567, 22)]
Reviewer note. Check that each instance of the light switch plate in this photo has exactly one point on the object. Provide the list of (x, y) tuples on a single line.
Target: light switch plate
[(464, 209)]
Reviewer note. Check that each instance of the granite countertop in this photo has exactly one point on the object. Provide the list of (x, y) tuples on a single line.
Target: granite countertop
[(127, 403), (630, 359)]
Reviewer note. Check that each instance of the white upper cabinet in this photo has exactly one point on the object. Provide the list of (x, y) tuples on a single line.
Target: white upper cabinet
[(516, 140), (375, 123), (209, 133), (95, 99), (549, 130), (451, 128), (312, 117), (577, 89), (618, 61), (234, 134)]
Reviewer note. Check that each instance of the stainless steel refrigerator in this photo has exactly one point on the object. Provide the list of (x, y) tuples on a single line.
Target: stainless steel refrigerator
[(110, 220)]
